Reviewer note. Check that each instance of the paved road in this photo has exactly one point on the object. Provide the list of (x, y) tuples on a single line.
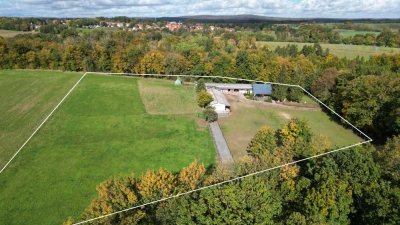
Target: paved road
[(219, 140)]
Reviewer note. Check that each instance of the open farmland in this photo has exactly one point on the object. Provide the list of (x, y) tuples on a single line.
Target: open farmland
[(160, 97), (351, 33), (27, 97), (12, 33), (341, 50), (246, 119), (101, 130)]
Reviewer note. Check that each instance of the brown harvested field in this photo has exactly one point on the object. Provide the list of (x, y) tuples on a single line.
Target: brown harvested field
[(247, 118), (11, 33)]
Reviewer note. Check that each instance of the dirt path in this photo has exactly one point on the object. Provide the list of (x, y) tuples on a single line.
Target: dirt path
[(220, 143)]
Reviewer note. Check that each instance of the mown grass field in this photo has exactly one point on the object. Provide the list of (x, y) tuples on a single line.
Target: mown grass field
[(245, 120), (162, 97), (101, 130), (27, 97), (341, 50), (11, 33)]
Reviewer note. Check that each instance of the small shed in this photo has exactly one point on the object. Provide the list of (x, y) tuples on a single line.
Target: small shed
[(220, 103), (178, 82), (262, 89)]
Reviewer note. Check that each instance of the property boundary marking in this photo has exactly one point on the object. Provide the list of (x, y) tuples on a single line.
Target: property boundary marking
[(41, 124), (239, 177), (208, 186)]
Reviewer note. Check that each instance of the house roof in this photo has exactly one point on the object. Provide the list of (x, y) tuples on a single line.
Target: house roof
[(219, 98), (262, 89), (225, 86)]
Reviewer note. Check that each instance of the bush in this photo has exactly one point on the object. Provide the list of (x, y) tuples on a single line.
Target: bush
[(201, 86), (294, 94), (204, 98), (279, 93), (210, 114)]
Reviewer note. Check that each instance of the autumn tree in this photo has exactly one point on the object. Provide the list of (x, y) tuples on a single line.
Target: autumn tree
[(251, 201), (204, 99), (153, 62), (323, 85), (191, 176), (114, 195), (200, 85), (264, 142)]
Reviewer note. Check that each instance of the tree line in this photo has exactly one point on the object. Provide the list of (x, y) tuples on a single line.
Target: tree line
[(355, 88), (323, 33), (357, 186)]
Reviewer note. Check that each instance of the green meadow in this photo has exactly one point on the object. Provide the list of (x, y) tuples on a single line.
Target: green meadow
[(102, 130), (341, 50), (245, 120)]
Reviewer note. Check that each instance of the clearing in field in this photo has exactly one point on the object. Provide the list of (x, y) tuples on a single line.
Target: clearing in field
[(12, 33), (247, 118), (101, 130), (161, 98), (341, 50), (351, 33)]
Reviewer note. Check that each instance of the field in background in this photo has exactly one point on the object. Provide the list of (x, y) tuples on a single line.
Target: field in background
[(162, 97), (351, 33), (27, 97), (12, 33), (246, 119), (341, 50), (101, 130)]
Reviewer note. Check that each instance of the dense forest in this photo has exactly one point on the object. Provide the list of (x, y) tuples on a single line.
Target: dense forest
[(365, 91), (358, 186)]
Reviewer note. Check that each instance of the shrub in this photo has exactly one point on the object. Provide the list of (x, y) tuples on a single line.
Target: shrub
[(204, 98), (210, 114), (201, 86)]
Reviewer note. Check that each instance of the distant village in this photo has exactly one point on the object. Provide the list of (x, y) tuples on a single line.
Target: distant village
[(171, 26), (141, 26)]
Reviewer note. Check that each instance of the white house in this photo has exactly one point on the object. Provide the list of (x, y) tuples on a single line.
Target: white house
[(220, 103)]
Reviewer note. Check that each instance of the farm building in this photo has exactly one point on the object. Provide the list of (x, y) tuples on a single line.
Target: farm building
[(262, 89), (178, 82), (227, 87), (220, 103)]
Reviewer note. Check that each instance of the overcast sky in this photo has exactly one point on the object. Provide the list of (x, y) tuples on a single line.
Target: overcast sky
[(157, 8)]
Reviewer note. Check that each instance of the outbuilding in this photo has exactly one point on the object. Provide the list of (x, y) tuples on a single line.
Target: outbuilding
[(178, 82), (262, 90), (230, 87), (220, 103)]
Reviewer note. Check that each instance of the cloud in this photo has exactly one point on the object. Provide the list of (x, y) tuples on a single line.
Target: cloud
[(155, 8)]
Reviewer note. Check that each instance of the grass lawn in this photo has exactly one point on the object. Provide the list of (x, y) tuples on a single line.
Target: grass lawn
[(101, 130), (27, 97), (12, 33), (245, 120), (342, 50), (162, 97)]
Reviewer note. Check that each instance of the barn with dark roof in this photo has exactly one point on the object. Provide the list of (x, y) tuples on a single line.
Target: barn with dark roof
[(262, 89)]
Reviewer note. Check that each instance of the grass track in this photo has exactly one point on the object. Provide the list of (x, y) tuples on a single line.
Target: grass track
[(101, 130)]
